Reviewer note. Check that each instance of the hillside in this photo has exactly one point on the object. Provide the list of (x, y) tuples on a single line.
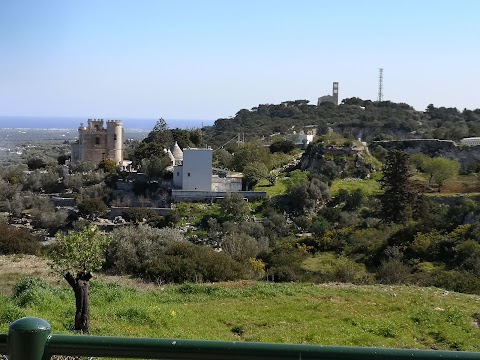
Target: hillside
[(327, 314), (359, 118)]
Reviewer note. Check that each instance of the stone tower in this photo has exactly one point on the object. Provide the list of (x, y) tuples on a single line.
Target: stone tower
[(335, 93), (115, 140), (96, 143)]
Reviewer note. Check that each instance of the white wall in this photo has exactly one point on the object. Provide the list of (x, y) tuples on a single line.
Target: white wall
[(197, 169), (178, 176), (226, 183)]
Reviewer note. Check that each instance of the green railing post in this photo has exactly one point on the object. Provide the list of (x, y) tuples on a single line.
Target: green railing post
[(27, 338)]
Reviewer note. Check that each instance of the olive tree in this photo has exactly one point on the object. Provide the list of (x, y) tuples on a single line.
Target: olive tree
[(81, 253), (440, 170)]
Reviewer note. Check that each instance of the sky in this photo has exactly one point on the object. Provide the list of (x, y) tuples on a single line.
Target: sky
[(207, 59)]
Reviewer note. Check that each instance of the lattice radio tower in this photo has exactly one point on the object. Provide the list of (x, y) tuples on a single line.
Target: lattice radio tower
[(380, 85)]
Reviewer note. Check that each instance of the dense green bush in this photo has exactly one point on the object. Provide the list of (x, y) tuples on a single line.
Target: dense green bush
[(137, 215), (91, 207), (185, 262), (284, 146), (132, 247), (460, 281), (163, 255), (29, 291), (393, 271), (9, 312)]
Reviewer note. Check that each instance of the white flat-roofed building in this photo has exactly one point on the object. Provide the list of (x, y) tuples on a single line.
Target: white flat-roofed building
[(194, 179), (226, 181), (471, 141), (195, 171)]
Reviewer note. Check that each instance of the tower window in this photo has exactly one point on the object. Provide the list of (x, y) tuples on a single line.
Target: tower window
[(97, 140), (188, 174), (115, 137)]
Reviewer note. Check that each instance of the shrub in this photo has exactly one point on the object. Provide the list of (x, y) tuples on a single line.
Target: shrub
[(42, 181), (393, 271), (17, 241), (185, 262), (91, 207), (283, 273), (240, 246), (348, 271), (30, 291), (137, 215), (35, 163), (108, 165), (47, 217), (254, 172), (9, 312), (162, 255), (234, 207), (132, 247), (460, 281), (284, 146)]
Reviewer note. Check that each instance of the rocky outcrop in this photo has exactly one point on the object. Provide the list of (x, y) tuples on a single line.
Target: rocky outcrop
[(467, 156), (336, 161)]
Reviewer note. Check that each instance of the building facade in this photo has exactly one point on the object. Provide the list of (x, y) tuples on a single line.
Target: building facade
[(96, 143), (330, 98), (471, 141), (195, 170)]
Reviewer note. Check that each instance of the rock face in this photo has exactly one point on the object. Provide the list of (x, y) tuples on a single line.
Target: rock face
[(334, 161), (467, 156)]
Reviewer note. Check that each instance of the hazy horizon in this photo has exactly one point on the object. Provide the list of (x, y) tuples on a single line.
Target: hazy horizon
[(73, 122)]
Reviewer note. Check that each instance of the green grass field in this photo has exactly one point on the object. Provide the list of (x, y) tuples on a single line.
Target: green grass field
[(380, 316), (271, 190), (369, 186)]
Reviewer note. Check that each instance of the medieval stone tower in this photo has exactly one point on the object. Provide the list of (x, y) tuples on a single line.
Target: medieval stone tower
[(96, 143)]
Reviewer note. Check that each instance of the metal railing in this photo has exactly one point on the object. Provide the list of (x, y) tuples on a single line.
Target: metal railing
[(31, 339)]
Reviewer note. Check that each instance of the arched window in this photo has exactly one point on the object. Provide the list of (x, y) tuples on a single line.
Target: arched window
[(97, 140), (115, 137)]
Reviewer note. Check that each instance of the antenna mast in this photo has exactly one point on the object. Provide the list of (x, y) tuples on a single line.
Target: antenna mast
[(380, 84)]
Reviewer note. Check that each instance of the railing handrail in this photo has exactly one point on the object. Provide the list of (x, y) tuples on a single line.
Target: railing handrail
[(26, 342)]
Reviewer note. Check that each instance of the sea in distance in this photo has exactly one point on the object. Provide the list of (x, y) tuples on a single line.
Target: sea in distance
[(18, 133)]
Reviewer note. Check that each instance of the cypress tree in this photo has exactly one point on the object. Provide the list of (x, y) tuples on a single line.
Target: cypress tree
[(399, 194)]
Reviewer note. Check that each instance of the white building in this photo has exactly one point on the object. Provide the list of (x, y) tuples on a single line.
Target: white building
[(194, 178), (194, 172), (471, 141), (226, 181), (300, 139)]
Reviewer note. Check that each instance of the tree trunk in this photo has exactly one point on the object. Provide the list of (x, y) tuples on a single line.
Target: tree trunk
[(79, 285)]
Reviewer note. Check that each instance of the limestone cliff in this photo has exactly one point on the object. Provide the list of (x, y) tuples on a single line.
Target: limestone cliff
[(337, 161), (468, 156)]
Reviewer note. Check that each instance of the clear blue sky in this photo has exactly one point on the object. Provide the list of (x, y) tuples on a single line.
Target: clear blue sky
[(205, 59)]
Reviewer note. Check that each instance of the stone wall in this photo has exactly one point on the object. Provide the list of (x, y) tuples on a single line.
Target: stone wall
[(204, 196)]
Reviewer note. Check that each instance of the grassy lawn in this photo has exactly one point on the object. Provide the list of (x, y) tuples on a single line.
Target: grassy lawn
[(192, 213), (369, 186), (271, 190), (331, 314)]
